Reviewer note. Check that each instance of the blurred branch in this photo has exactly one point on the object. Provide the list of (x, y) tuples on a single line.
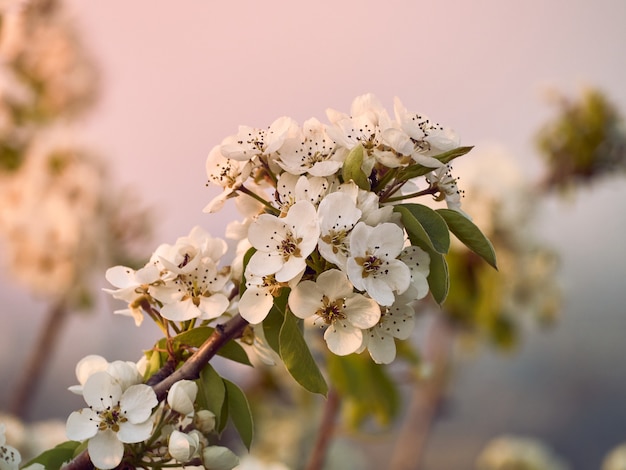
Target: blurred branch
[(38, 360), (325, 432)]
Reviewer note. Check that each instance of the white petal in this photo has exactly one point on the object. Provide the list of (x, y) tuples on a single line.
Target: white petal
[(135, 432), (262, 230), (305, 299), (181, 311), (89, 365), (262, 264), (82, 424), (334, 284), (255, 304), (101, 391), (125, 373), (120, 276), (379, 290), (137, 402), (342, 338), (213, 306), (362, 312), (387, 240), (105, 450), (382, 348), (290, 269)]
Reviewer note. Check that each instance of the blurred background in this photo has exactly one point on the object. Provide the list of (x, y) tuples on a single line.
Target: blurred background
[(158, 85)]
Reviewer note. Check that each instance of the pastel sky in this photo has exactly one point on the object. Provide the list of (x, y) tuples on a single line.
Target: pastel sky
[(178, 77)]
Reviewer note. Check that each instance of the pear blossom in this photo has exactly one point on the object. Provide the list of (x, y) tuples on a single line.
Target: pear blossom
[(332, 298), (126, 373), (115, 416), (293, 188), (204, 421), (311, 151), (10, 457), (283, 244), (396, 321), (258, 298), (372, 265), (192, 282), (442, 180), (227, 173), (338, 214), (418, 262), (428, 137), (250, 142), (133, 286)]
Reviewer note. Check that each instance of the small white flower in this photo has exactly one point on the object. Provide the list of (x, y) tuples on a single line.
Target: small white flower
[(293, 188), (182, 396), (333, 299), (283, 244), (204, 421), (396, 321), (10, 458), (372, 265), (133, 286), (445, 184), (311, 151), (115, 416), (337, 214), (225, 172)]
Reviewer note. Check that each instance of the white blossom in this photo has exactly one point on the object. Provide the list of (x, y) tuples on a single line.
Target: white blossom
[(332, 298), (372, 265), (10, 458), (283, 244), (219, 458), (115, 416), (182, 396)]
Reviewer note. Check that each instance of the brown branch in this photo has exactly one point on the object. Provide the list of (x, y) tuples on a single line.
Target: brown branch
[(425, 400), (325, 432), (38, 360), (190, 370)]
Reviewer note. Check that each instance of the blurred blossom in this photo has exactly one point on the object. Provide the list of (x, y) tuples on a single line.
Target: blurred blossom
[(31, 439), (519, 453), (616, 459)]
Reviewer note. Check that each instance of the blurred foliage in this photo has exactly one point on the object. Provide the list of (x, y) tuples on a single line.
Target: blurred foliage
[(586, 139)]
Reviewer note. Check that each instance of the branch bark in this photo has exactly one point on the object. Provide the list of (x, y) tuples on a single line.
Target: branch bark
[(326, 431)]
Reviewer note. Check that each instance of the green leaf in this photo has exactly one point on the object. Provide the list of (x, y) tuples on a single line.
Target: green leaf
[(298, 359), (425, 227), (468, 233), (413, 171), (197, 336), (274, 320), (352, 168), (54, 458), (211, 393), (155, 362), (239, 411), (438, 277)]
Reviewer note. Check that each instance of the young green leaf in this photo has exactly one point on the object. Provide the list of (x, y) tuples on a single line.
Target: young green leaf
[(239, 411), (425, 227), (211, 393), (438, 277), (352, 168), (274, 320), (297, 357), (469, 234), (54, 458)]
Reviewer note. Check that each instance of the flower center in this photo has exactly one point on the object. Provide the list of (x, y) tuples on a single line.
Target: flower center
[(331, 311), (370, 264), (289, 246), (111, 418)]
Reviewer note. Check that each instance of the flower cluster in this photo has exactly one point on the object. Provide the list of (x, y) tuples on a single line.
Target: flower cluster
[(122, 420), (318, 203)]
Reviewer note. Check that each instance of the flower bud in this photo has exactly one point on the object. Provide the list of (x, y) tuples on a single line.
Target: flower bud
[(183, 447), (219, 458), (182, 396), (204, 420)]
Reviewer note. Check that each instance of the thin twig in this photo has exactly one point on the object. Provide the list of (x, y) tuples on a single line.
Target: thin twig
[(325, 432), (38, 360), (189, 370)]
